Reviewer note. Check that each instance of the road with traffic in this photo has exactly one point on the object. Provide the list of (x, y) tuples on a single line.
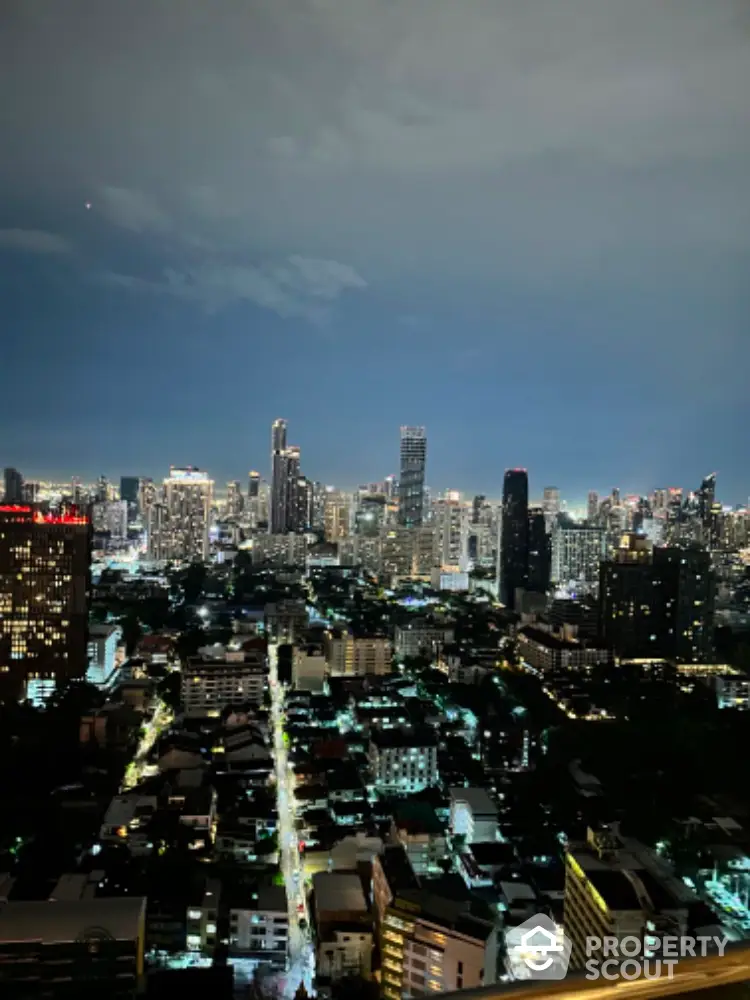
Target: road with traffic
[(301, 953), (161, 718)]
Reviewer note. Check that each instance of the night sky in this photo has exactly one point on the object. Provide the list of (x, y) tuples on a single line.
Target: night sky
[(525, 225)]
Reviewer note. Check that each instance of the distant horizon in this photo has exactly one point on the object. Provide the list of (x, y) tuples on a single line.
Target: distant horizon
[(524, 226), (535, 494)]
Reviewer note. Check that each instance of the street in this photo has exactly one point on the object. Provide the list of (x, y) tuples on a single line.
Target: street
[(301, 953), (160, 719)]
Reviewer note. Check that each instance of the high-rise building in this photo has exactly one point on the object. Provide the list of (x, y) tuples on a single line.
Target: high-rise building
[(551, 503), (514, 554), (614, 889), (371, 514), (284, 515), (253, 484), (130, 489), (44, 591), (451, 537), (706, 497), (577, 552), (540, 555), (432, 940), (110, 517), (303, 509), (234, 499), (411, 483), (658, 604), (477, 505), (592, 507), (277, 523), (188, 494), (337, 515), (13, 486)]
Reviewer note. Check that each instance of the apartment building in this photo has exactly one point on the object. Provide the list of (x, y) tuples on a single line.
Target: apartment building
[(350, 656), (616, 887)]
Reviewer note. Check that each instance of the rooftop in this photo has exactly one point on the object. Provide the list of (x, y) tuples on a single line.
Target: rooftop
[(63, 921), (337, 892)]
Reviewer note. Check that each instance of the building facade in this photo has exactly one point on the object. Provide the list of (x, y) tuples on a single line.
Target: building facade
[(44, 594), (514, 543), (411, 481)]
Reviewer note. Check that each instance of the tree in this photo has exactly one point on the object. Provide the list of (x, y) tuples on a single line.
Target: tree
[(131, 632), (169, 690)]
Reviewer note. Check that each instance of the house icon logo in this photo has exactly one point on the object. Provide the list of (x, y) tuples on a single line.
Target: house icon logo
[(537, 949)]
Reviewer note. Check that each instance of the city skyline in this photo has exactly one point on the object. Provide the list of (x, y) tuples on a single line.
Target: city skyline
[(529, 237)]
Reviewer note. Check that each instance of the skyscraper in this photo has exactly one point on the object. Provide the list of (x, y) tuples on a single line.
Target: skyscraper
[(285, 483), (577, 552), (540, 555), (706, 496), (411, 483), (291, 464), (514, 554), (592, 507), (451, 537), (253, 484), (44, 590), (13, 486), (129, 488), (188, 494), (277, 514), (658, 603), (234, 499), (551, 500)]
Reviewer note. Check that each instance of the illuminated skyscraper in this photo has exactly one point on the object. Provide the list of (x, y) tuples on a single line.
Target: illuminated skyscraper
[(514, 554), (658, 603), (44, 591), (253, 484), (277, 513), (551, 502), (592, 508), (188, 494), (285, 509), (234, 499), (411, 483)]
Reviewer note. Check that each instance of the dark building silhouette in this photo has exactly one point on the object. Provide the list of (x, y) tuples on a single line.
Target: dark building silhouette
[(540, 552), (44, 590), (130, 487), (514, 541), (13, 486), (411, 482), (658, 604)]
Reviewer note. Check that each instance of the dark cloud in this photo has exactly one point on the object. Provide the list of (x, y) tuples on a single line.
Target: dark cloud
[(33, 241), (545, 172)]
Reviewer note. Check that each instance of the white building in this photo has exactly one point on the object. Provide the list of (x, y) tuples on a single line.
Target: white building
[(209, 685), (286, 549), (184, 521), (347, 656), (337, 515), (577, 552), (260, 930), (111, 516), (422, 637), (403, 759), (451, 533), (105, 654), (473, 815)]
